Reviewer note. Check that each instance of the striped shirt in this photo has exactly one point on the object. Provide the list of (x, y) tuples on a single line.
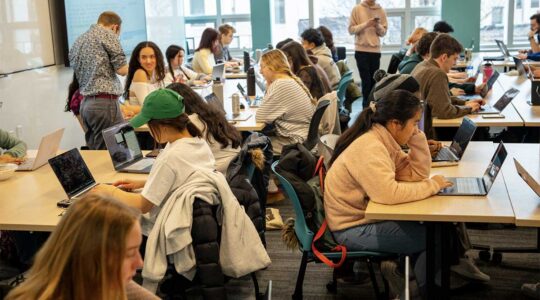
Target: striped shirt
[(287, 105)]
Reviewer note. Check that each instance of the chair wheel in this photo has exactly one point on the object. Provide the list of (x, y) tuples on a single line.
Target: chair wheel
[(497, 257), (332, 287), (484, 255)]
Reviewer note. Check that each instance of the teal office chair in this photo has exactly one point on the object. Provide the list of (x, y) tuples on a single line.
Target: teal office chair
[(344, 82), (305, 238)]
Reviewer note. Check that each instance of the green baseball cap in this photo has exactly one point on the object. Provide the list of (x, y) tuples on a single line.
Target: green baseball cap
[(159, 104)]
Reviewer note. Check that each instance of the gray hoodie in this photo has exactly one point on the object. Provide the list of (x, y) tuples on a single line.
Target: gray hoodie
[(327, 63)]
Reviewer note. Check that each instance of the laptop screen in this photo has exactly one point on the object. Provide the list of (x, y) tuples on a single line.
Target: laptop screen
[(489, 84), (122, 144), (463, 136), (519, 66), (494, 166), (503, 48), (218, 72), (72, 172), (505, 99)]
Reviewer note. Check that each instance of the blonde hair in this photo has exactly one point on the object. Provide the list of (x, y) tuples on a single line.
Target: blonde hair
[(276, 61), (416, 35), (82, 259)]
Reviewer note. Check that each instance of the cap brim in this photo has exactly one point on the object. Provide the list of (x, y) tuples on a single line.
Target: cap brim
[(138, 121)]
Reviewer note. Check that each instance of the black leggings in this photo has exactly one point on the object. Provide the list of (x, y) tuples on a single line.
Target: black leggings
[(367, 63)]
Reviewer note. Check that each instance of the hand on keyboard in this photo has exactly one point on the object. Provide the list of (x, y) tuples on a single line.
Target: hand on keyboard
[(6, 158), (441, 181)]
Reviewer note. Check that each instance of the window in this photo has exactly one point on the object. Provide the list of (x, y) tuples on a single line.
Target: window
[(200, 7), (160, 14), (293, 23), (279, 12), (535, 3), (334, 14)]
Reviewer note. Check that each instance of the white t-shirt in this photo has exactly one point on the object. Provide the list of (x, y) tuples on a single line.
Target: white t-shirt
[(139, 90), (171, 170)]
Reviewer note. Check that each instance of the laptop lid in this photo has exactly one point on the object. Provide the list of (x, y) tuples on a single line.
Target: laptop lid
[(519, 66), (72, 172), (489, 84), (494, 167), (218, 72), (122, 144), (462, 138), (259, 79), (48, 147), (505, 99), (531, 182), (214, 101), (503, 48)]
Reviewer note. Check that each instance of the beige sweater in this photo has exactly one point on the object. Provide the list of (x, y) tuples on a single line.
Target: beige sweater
[(367, 39), (374, 168)]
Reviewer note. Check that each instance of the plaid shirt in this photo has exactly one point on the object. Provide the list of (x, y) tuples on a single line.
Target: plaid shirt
[(95, 57)]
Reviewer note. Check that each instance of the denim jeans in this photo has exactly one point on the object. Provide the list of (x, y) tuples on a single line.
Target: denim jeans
[(398, 237), (98, 114), (367, 63)]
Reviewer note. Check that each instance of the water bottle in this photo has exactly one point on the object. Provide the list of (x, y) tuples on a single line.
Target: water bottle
[(488, 71), (217, 89), (235, 104), (251, 82)]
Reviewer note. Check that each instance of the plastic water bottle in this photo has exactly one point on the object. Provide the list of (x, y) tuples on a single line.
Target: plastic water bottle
[(235, 104), (488, 71)]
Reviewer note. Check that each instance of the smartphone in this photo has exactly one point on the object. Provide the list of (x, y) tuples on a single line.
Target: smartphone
[(493, 116), (377, 19), (64, 203)]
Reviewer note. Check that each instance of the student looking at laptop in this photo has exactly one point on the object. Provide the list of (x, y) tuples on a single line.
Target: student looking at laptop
[(12, 150), (222, 137), (203, 58), (178, 72)]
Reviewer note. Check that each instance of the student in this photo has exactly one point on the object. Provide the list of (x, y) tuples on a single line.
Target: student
[(411, 41), (287, 104), (302, 67), (329, 41), (431, 75), (12, 150), (442, 27), (222, 54), (97, 57), (280, 44), (369, 24), (534, 39), (420, 54), (92, 254), (312, 40), (146, 74), (178, 72), (222, 137), (203, 59), (357, 176)]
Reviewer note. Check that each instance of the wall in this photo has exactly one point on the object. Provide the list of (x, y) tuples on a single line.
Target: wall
[(464, 16), (261, 18)]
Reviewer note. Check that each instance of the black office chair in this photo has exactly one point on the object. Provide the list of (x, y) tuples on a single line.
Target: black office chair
[(341, 53), (313, 134), (394, 63)]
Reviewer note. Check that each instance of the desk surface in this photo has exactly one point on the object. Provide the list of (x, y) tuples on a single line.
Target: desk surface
[(525, 202), (493, 208), (28, 199), (529, 114)]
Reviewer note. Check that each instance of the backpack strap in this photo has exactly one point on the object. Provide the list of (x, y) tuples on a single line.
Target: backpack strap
[(322, 257), (321, 172)]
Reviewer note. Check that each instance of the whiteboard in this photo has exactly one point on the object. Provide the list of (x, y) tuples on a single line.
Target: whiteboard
[(25, 35)]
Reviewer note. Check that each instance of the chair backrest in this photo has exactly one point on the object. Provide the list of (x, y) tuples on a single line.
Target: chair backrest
[(304, 235), (341, 52), (326, 146), (344, 82), (394, 63), (313, 134)]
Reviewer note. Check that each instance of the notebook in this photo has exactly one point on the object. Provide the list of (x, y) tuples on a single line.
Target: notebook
[(72, 173), (124, 149), (477, 186), (500, 105), (47, 149), (451, 155)]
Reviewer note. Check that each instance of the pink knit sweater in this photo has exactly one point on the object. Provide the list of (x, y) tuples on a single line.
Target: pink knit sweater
[(374, 168), (367, 39)]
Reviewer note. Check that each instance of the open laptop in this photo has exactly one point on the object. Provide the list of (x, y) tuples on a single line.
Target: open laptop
[(483, 93), (124, 149), (504, 50), (477, 186), (453, 154), (213, 100), (500, 105), (73, 174), (259, 79), (47, 149), (531, 182), (218, 72), (256, 102)]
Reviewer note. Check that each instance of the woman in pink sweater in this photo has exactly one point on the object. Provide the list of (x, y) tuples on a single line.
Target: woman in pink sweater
[(369, 165)]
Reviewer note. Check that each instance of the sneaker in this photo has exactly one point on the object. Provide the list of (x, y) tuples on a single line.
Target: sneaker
[(531, 290), (396, 281), (468, 269)]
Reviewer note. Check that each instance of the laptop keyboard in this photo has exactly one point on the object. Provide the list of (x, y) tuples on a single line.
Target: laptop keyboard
[(141, 164), (467, 185), (445, 154), (27, 164)]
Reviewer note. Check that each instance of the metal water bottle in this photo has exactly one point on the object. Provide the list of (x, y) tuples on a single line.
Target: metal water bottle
[(235, 104)]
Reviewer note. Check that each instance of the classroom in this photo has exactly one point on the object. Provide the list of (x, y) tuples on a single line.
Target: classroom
[(269, 149)]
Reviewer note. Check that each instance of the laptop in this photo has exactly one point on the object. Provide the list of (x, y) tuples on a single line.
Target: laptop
[(218, 72), (259, 79), (452, 154), (519, 66), (73, 174), (483, 93), (531, 182), (500, 105), (47, 149), (124, 149), (214, 101), (504, 50), (256, 102), (477, 186)]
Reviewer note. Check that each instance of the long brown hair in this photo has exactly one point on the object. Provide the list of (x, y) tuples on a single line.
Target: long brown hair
[(134, 64), (82, 259)]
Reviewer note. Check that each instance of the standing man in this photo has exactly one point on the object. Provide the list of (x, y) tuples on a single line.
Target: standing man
[(222, 54), (96, 57), (368, 24)]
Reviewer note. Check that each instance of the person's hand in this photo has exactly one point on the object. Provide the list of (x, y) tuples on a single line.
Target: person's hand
[(531, 34), (105, 189), (207, 78), (458, 75), (442, 182), (6, 158), (475, 106), (478, 89), (522, 56), (129, 184), (127, 112), (481, 102), (434, 147), (457, 92), (231, 64), (372, 22)]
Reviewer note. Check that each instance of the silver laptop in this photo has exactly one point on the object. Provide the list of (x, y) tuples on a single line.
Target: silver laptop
[(73, 174), (477, 186), (256, 102), (214, 101), (455, 151), (500, 105), (531, 182), (218, 72), (259, 79), (124, 149), (503, 48), (483, 93), (48, 147)]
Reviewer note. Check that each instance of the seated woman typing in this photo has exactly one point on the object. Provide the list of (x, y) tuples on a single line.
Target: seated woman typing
[(222, 137), (92, 254), (203, 58), (369, 165), (145, 74), (178, 72), (287, 104), (12, 150)]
